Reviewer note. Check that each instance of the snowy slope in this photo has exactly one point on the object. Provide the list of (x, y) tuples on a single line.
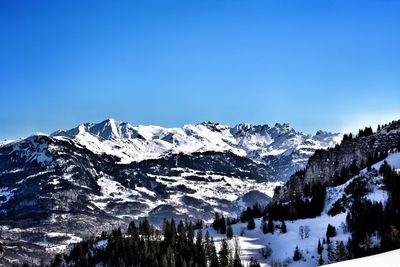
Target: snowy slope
[(6, 142), (387, 259), (283, 245), (392, 159)]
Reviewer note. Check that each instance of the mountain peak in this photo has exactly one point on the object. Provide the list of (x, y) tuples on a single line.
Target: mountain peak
[(106, 129), (321, 132), (243, 128), (285, 126)]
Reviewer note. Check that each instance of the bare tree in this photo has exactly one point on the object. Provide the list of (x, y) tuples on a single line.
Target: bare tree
[(266, 251), (306, 231), (301, 232)]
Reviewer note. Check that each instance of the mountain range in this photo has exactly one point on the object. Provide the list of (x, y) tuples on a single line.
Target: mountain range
[(136, 143), (98, 176), (344, 204)]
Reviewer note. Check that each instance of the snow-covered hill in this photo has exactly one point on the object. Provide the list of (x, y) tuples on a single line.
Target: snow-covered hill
[(284, 244)]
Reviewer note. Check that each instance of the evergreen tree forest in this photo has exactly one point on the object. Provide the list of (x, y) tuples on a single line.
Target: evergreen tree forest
[(367, 219), (299, 208), (175, 245)]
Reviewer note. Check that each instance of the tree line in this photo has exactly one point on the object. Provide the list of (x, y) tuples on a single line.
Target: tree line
[(174, 245)]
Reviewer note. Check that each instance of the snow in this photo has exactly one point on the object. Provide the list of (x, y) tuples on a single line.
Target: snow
[(6, 142), (111, 189), (213, 187), (393, 159), (59, 247), (43, 158), (12, 171), (283, 245), (210, 190), (145, 191), (33, 149), (5, 195), (101, 244), (377, 195), (33, 176), (137, 143), (374, 183), (387, 259)]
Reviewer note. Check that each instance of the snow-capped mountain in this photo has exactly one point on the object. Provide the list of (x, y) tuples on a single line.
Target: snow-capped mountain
[(258, 142)]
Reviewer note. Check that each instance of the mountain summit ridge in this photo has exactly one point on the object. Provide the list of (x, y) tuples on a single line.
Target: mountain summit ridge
[(135, 143)]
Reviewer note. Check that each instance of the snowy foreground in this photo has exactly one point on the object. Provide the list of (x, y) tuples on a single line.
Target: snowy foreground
[(283, 245), (387, 259)]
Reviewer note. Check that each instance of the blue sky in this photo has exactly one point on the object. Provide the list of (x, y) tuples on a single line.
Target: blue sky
[(332, 65)]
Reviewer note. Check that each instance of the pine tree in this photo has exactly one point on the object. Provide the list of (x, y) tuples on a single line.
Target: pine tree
[(283, 227), (320, 248), (369, 167), (236, 260), (354, 168), (320, 261), (251, 224), (271, 226), (394, 236), (330, 231), (331, 253), (224, 253), (341, 253), (190, 233), (200, 251), (216, 222), (131, 229), (254, 263), (146, 227), (264, 227), (199, 239), (229, 232), (207, 245), (173, 231), (297, 254), (213, 258), (367, 242), (222, 226)]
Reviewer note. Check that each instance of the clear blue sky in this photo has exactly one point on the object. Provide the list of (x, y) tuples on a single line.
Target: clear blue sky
[(332, 65)]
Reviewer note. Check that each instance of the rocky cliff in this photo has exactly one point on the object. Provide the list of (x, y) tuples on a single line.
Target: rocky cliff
[(325, 165)]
